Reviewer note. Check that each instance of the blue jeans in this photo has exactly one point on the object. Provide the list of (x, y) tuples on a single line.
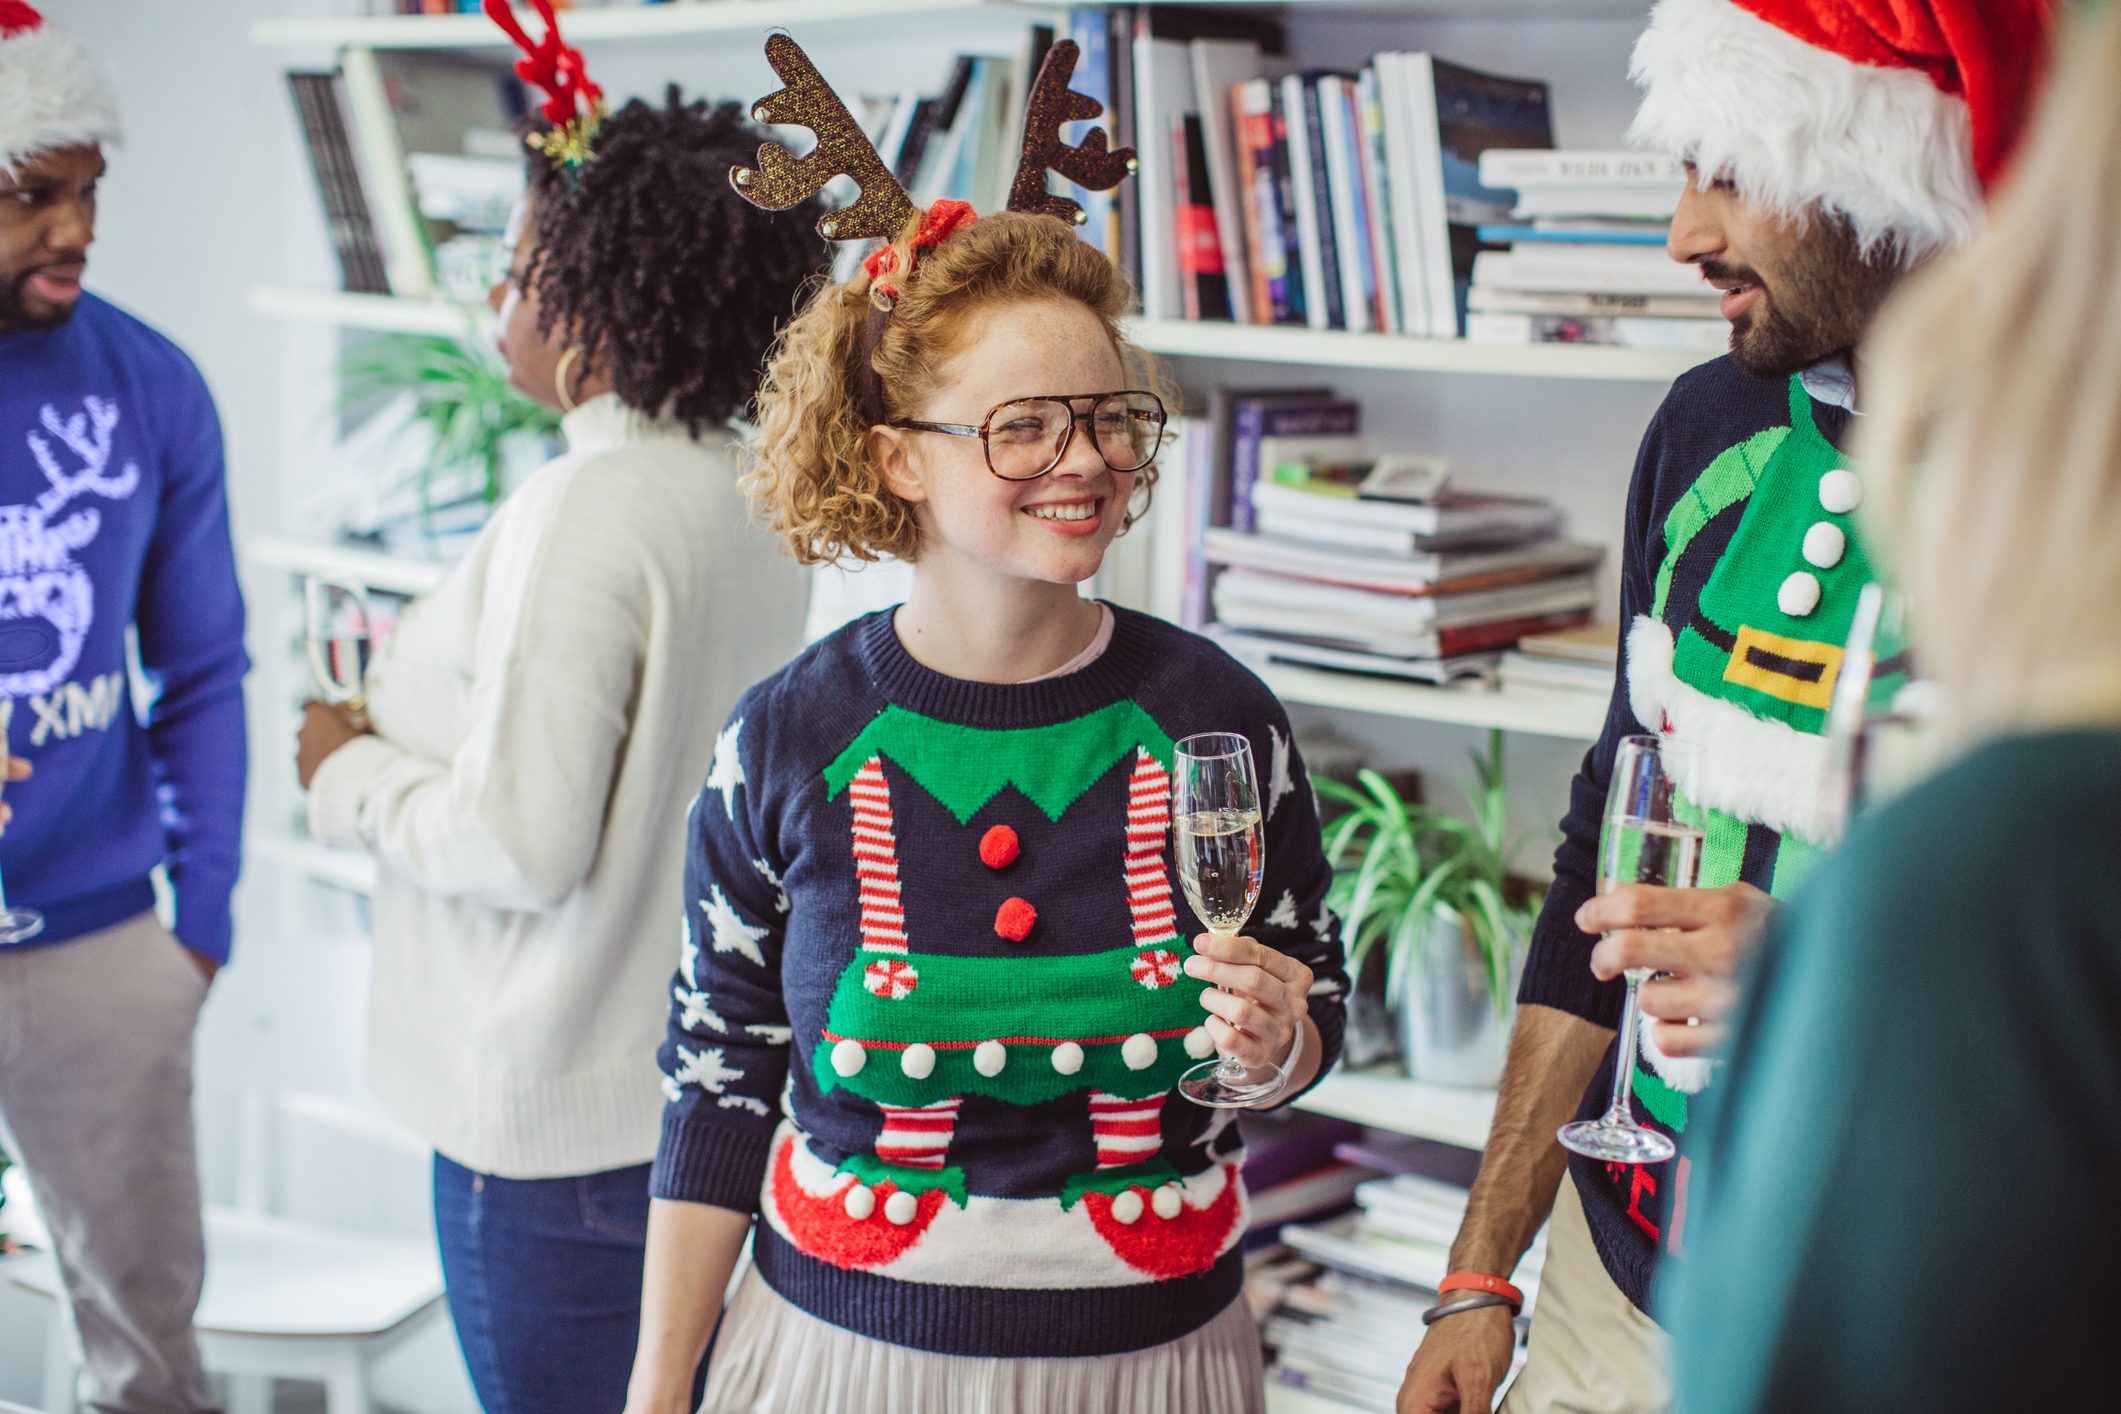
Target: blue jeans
[(544, 1281)]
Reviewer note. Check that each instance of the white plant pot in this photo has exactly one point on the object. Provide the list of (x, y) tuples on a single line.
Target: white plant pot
[(1447, 1024)]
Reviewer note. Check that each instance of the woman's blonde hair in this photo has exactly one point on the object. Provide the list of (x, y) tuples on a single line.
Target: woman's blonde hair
[(1992, 440), (810, 468)]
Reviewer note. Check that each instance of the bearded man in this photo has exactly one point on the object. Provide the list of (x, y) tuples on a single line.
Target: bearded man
[(114, 545), (1831, 147)]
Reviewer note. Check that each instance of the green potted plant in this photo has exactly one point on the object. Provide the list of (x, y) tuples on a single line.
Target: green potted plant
[(1434, 890), (462, 398)]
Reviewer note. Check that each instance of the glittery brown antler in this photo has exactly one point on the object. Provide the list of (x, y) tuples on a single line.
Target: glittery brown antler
[(1090, 165), (781, 180)]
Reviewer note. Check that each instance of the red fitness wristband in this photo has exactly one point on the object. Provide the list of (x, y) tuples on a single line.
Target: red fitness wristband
[(1481, 1281)]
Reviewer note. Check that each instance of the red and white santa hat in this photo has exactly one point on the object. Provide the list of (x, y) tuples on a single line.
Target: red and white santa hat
[(52, 94), (1897, 114)]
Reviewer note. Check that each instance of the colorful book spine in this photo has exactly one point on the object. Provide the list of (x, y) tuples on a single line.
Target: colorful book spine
[(1254, 420), (1331, 286), (1252, 106)]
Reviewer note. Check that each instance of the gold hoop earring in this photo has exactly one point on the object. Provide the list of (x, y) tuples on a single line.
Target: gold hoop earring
[(559, 377)]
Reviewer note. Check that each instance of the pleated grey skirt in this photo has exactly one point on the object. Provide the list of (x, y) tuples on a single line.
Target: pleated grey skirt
[(773, 1358)]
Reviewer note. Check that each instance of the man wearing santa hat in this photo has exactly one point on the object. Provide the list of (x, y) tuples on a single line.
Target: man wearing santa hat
[(113, 521), (1832, 146)]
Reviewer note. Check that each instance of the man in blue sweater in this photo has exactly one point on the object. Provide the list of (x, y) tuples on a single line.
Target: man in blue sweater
[(113, 525)]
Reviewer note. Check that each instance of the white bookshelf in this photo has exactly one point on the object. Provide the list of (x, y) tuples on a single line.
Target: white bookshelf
[(645, 24), (1570, 715), (1336, 348), (1170, 338), (391, 573), (636, 24), (1287, 1399), (382, 314), (1384, 1099)]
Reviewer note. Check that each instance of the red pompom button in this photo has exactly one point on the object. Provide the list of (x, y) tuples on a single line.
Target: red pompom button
[(1013, 920), (999, 847)]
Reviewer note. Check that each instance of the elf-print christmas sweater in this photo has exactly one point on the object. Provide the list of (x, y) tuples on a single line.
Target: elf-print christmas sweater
[(1740, 568), (931, 1011)]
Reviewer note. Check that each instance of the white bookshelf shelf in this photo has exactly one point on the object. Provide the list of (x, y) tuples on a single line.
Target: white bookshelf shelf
[(1173, 338), (630, 23), (1388, 1100), (1288, 1399), (1335, 348), (384, 314), (860, 18), (393, 574), (1571, 716), (348, 869)]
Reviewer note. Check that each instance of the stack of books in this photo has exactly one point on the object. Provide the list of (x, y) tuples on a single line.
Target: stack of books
[(1328, 198), (1348, 575), (1346, 1327), (1572, 660), (1293, 1172), (417, 164), (1582, 258)]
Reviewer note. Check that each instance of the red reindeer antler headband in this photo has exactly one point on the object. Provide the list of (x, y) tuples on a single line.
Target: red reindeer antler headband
[(574, 105)]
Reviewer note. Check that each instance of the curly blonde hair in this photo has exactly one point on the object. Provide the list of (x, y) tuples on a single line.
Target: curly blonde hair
[(810, 469)]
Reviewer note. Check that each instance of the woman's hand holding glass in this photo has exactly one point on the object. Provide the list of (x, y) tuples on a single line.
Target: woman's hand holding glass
[(1260, 1002)]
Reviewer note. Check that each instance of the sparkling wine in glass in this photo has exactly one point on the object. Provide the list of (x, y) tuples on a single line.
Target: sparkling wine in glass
[(1222, 852), (17, 924), (340, 636), (1651, 837)]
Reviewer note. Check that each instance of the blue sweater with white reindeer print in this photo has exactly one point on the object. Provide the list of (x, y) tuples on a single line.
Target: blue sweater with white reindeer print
[(114, 517), (931, 1008)]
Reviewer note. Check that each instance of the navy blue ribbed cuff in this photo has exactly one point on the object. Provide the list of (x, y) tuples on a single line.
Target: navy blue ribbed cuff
[(717, 1157)]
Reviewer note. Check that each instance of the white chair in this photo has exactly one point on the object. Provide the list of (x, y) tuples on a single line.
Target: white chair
[(283, 1299)]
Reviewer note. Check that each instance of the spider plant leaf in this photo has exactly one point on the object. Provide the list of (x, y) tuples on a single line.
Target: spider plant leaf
[(1338, 793), (1373, 872), (1342, 834)]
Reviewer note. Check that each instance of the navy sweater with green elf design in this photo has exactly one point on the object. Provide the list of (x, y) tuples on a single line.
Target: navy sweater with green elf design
[(1740, 569), (931, 1009)]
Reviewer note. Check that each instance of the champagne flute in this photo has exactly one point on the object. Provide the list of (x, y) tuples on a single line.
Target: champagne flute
[(1222, 852), (1651, 836), (340, 635), (1872, 748), (17, 924)]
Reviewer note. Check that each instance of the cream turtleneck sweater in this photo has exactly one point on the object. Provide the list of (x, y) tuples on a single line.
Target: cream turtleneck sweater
[(542, 721)]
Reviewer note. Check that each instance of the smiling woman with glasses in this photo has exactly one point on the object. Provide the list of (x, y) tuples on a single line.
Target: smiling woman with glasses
[(943, 973), (1028, 437)]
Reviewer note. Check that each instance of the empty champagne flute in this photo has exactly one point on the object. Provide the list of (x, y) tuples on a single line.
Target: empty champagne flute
[(1651, 836), (16, 924), (340, 635), (1222, 852)]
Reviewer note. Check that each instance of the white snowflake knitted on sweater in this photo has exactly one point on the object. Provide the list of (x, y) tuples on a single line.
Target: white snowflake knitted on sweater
[(727, 773), (695, 1012), (731, 932), (705, 1069)]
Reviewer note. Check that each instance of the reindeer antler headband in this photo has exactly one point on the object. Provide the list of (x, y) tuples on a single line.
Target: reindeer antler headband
[(574, 105), (883, 210)]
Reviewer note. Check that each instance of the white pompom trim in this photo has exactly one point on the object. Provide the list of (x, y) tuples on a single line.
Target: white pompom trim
[(52, 95), (1750, 767), (1794, 124)]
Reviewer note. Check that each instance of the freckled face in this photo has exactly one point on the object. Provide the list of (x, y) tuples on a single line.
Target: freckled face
[(1054, 529)]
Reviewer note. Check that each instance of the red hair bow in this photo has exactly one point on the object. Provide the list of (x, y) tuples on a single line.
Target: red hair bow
[(574, 104), (938, 224)]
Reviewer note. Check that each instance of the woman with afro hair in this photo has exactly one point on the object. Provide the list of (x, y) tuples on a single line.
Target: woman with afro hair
[(533, 733)]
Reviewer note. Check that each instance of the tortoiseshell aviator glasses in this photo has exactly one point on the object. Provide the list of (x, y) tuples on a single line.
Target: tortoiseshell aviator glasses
[(1028, 437)]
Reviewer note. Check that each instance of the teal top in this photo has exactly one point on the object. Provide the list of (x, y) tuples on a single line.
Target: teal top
[(1908, 1172)]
